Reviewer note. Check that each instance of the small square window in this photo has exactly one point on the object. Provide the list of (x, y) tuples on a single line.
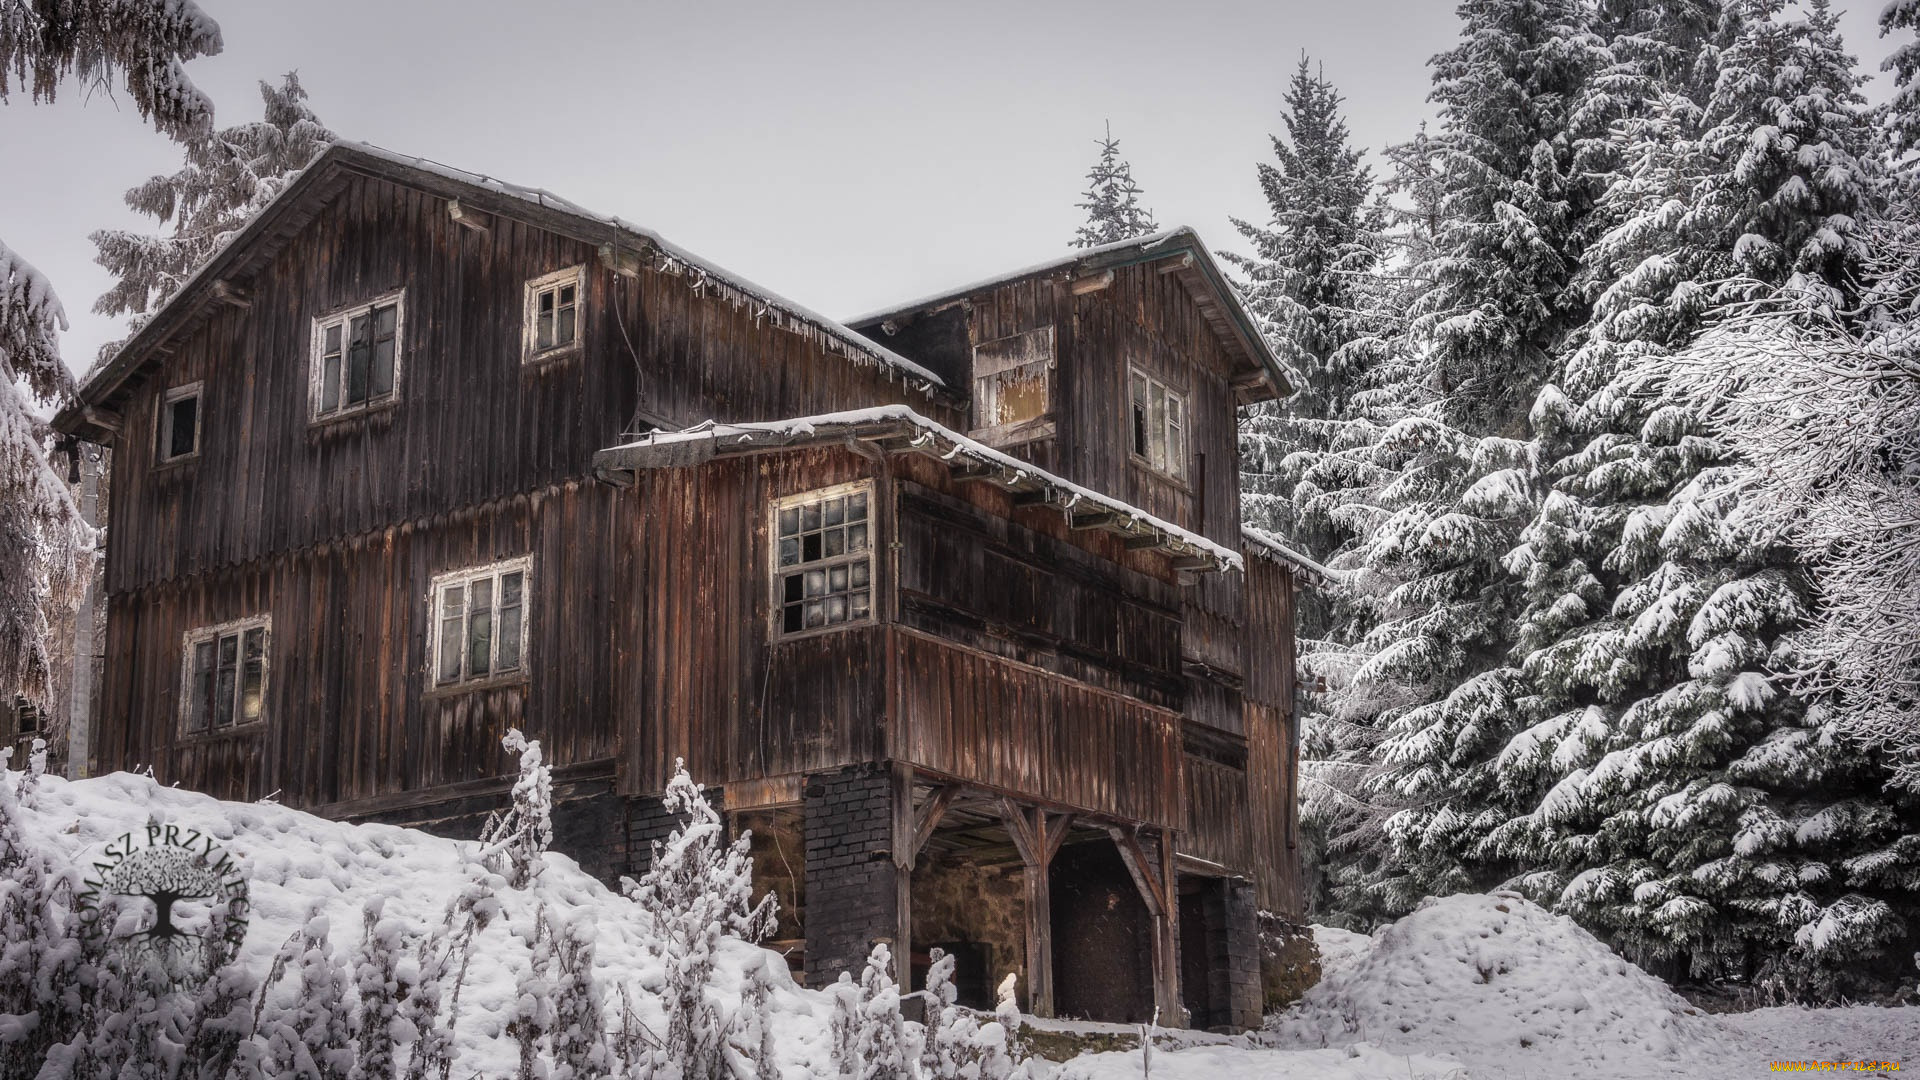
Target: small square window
[(177, 431), (554, 303), (224, 676), (1158, 424), (823, 559), (356, 357), (480, 620)]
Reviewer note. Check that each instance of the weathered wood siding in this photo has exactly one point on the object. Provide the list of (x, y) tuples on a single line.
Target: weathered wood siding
[(351, 710), (1273, 745)]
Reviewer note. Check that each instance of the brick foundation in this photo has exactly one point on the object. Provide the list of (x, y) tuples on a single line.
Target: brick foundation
[(851, 897)]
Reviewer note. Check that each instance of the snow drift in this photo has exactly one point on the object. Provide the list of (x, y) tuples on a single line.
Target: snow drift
[(1474, 974)]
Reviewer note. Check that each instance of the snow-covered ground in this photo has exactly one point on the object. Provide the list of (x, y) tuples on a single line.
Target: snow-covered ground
[(1469, 986)]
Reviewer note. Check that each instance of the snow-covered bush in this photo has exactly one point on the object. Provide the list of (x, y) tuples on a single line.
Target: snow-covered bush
[(514, 842), (697, 890), (882, 1043), (533, 1016), (751, 1053), (384, 975), (579, 1022), (447, 952)]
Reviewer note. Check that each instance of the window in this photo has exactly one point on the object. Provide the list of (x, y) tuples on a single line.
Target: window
[(553, 313), (177, 433), (225, 675), (1159, 425), (480, 623), (356, 357), (823, 563), (26, 718), (1013, 387)]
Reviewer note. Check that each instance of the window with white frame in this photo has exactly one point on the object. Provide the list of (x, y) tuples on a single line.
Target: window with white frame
[(480, 623), (356, 357), (553, 313), (823, 561), (224, 675), (176, 432), (1013, 387), (1159, 423)]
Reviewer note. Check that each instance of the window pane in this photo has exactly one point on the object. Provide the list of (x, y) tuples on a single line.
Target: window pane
[(1140, 428), (359, 359), (856, 538), (860, 574), (833, 511), (227, 681), (790, 618), (815, 614), (452, 640), (564, 332), (183, 424), (836, 609), (857, 507), (479, 643), (790, 521), (200, 690), (510, 638), (810, 547), (789, 552), (835, 542), (253, 675), (543, 323), (791, 588), (859, 605), (453, 600), (810, 516), (330, 381), (510, 586), (816, 582)]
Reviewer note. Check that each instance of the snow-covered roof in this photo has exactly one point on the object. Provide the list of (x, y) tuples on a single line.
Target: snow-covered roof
[(188, 303), (899, 428), (1268, 546), (1167, 243)]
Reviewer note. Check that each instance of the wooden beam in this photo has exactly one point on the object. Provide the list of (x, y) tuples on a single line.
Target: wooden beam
[(1099, 519), (1153, 876), (1171, 266), (1092, 283), (1028, 830), (469, 218), (1138, 543), (623, 261), (926, 818), (226, 292), (1037, 497), (1057, 826)]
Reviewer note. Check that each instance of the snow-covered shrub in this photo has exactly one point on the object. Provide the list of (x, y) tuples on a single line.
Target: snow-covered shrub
[(579, 1024), (514, 842), (697, 890), (40, 953), (750, 1055), (881, 1045), (309, 1036), (844, 1028), (385, 976), (447, 952), (532, 1019)]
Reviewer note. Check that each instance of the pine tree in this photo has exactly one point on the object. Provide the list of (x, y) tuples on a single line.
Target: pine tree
[(1112, 201), (229, 176), (144, 43), (1903, 112), (1510, 204)]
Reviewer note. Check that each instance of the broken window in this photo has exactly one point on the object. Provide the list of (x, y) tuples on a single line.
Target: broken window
[(177, 434), (1159, 425), (356, 357), (480, 623), (823, 564), (553, 313), (1013, 387), (225, 675)]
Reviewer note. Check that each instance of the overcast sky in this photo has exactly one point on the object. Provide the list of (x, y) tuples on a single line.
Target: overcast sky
[(847, 155)]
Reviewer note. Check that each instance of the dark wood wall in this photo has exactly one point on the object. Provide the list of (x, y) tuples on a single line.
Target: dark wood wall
[(1273, 744)]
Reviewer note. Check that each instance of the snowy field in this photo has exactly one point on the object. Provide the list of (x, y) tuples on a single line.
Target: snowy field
[(1469, 986)]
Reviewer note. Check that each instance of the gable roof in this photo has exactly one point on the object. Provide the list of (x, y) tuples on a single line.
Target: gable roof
[(222, 279), (1177, 251)]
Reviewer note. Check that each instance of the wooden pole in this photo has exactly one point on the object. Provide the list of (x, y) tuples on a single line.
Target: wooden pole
[(1028, 828), (1153, 876)]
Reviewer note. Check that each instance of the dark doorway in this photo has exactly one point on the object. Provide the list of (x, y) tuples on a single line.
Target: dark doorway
[(1102, 943), (1203, 952)]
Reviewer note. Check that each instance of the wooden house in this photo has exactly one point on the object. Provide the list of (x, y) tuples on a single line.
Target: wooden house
[(951, 605)]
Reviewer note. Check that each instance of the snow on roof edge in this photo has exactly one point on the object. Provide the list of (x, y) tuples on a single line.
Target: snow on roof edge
[(542, 197), (807, 425), (1268, 546), (1145, 242)]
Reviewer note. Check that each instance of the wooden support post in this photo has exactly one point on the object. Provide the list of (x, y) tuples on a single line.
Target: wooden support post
[(1154, 878), (1037, 835), (905, 851)]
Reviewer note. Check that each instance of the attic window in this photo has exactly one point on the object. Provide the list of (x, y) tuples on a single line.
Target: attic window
[(356, 357), (177, 430), (480, 623), (1159, 425), (1013, 388), (552, 322), (224, 675), (823, 562)]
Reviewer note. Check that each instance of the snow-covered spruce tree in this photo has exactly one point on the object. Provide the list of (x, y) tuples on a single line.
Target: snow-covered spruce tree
[(698, 889), (515, 842), (579, 1023), (1659, 608), (1510, 216), (229, 176), (143, 43), (1112, 201), (384, 975), (1903, 112)]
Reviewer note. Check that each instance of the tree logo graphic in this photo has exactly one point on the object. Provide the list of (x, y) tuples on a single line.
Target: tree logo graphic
[(168, 894)]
